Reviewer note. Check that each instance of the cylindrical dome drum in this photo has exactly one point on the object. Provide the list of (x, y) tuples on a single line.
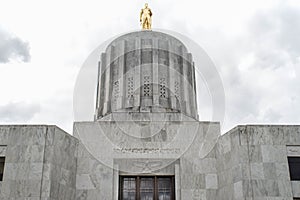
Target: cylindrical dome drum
[(146, 71)]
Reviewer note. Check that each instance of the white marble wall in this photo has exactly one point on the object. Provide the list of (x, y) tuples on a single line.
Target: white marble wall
[(36, 163), (252, 162), (248, 162), (23, 161), (182, 146), (60, 165), (93, 179)]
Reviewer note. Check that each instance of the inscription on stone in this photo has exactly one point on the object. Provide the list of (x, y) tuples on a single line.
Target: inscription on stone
[(147, 150)]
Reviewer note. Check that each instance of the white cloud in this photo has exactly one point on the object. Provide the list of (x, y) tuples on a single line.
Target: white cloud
[(18, 112), (12, 48)]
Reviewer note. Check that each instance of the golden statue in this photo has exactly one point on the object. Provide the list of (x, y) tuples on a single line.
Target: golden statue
[(146, 18)]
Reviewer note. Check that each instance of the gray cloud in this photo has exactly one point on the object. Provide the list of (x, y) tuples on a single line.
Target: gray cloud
[(275, 36), (260, 67), (18, 111), (13, 48)]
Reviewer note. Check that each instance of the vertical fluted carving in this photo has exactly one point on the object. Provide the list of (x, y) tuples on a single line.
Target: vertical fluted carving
[(146, 72)]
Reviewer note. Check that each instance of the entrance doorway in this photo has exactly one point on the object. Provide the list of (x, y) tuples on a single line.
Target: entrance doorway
[(147, 188)]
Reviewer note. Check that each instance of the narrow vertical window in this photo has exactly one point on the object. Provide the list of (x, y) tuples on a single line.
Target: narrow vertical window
[(294, 167), (2, 162)]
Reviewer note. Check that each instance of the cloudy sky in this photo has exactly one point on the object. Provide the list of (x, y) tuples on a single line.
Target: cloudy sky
[(255, 46)]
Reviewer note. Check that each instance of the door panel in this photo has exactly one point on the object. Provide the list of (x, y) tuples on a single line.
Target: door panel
[(147, 188), (129, 189)]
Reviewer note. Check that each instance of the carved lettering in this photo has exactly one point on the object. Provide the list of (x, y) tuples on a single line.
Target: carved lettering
[(147, 150)]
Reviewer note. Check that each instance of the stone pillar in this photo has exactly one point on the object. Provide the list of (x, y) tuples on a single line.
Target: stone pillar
[(116, 182), (155, 72), (172, 76), (194, 103), (185, 84), (177, 182), (121, 63), (137, 75), (97, 114), (108, 82)]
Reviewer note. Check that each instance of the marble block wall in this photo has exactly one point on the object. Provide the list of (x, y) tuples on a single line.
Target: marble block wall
[(198, 165), (39, 162), (23, 161), (249, 162), (94, 181), (183, 148), (60, 165), (252, 162)]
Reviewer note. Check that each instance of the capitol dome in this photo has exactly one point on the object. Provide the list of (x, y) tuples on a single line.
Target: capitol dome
[(146, 72)]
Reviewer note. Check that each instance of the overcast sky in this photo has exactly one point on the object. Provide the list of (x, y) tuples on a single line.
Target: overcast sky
[(255, 46)]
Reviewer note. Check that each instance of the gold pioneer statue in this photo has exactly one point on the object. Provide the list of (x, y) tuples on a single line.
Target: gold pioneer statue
[(146, 18)]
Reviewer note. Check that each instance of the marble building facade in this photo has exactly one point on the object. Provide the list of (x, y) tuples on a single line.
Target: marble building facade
[(146, 128)]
